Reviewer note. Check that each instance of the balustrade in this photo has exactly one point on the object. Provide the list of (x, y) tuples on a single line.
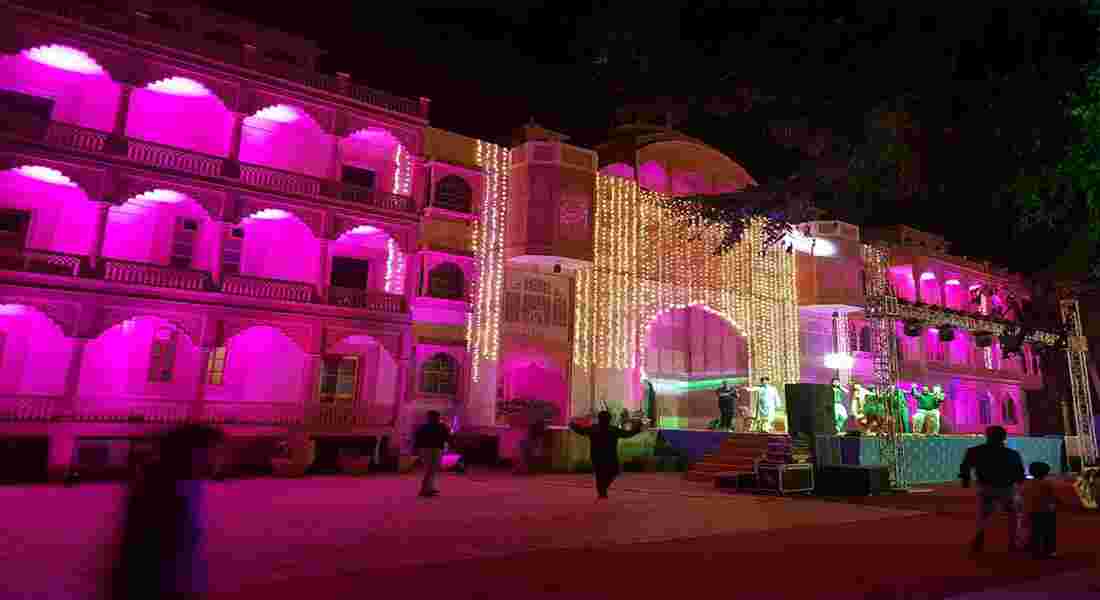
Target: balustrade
[(154, 275), (335, 415), (27, 408), (41, 261), (75, 137), (282, 181), (375, 301), (259, 413), (370, 197), (172, 158), (270, 289)]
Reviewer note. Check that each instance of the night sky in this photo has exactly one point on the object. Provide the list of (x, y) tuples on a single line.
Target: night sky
[(732, 70)]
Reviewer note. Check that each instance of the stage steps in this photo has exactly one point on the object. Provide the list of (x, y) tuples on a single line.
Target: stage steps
[(739, 452)]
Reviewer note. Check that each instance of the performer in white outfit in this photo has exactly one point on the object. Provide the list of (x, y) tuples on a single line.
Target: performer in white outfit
[(766, 404)]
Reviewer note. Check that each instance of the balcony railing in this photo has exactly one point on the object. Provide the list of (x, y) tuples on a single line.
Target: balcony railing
[(174, 158), (375, 301), (335, 415), (41, 261), (370, 197), (268, 289), (253, 413), (154, 275), (282, 181), (75, 137)]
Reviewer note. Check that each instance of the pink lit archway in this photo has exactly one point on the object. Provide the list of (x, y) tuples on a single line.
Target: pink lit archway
[(34, 355), (529, 374), (734, 330), (382, 252), (287, 138), (378, 384), (379, 151), (263, 367), (180, 112), (83, 93), (278, 245), (145, 229), (144, 364), (62, 218)]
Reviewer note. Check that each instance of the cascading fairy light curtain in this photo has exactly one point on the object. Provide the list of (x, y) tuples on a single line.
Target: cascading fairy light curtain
[(648, 261), (483, 324)]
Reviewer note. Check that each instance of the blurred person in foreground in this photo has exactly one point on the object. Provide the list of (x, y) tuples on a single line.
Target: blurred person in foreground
[(1040, 502), (162, 543), (429, 441), (604, 438), (1000, 470)]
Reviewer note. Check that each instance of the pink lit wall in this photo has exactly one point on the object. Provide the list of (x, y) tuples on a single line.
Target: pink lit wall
[(62, 218), (529, 374), (694, 342), (87, 100), (263, 366), (34, 353), (378, 372), (653, 177), (370, 247), (116, 368), (908, 347), (298, 146), (376, 151), (618, 170), (930, 291), (902, 280), (280, 248), (957, 297), (199, 123), (142, 231)]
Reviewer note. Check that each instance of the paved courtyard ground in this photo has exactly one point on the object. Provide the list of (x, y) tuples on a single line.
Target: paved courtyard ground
[(493, 535)]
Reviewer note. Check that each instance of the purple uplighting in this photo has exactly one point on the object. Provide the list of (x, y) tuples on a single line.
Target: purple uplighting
[(179, 86), (45, 175), (64, 58)]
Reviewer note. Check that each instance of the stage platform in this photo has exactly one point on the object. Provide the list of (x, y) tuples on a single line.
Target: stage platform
[(931, 459)]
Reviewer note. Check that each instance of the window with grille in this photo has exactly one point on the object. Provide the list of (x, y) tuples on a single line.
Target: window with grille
[(356, 176), (183, 242), (453, 193), (232, 249), (446, 281), (215, 366), (349, 273), (439, 375), (162, 354), (339, 378), (14, 225)]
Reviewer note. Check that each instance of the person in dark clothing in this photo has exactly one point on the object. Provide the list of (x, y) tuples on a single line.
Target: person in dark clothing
[(1000, 470), (1040, 503), (161, 554), (429, 442), (725, 405), (604, 439)]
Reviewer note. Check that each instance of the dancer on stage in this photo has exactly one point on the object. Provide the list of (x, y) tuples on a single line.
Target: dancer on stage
[(840, 413), (766, 405), (725, 405), (859, 401), (901, 412), (927, 419), (874, 409)]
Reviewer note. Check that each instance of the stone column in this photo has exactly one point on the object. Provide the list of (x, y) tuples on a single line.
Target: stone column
[(216, 264), (233, 165), (325, 273), (481, 406), (915, 271), (72, 376), (62, 451), (122, 113), (197, 408), (100, 234)]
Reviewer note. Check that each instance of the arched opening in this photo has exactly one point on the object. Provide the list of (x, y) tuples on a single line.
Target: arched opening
[(373, 159), (34, 355), (358, 381), (180, 112), (273, 244), (439, 375), (930, 289), (142, 366), (73, 88), (161, 227), (287, 138), (42, 209), (529, 375), (364, 259), (447, 281), (257, 374), (453, 193), (687, 353), (618, 170), (653, 177)]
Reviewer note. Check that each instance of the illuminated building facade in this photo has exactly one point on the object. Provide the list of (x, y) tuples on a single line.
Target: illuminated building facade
[(196, 225)]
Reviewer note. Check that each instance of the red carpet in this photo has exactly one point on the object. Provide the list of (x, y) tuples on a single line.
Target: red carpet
[(906, 557)]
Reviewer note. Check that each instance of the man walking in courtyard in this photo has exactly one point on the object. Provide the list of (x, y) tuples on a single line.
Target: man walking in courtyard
[(430, 439), (604, 439), (999, 470)]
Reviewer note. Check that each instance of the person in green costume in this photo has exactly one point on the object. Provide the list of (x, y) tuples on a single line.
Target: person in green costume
[(873, 411), (927, 419), (840, 411), (901, 412)]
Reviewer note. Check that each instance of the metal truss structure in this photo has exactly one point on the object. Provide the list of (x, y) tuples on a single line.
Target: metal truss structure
[(882, 310), (1081, 395)]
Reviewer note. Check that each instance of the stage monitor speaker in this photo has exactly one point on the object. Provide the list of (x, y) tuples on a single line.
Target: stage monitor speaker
[(810, 408), (853, 480)]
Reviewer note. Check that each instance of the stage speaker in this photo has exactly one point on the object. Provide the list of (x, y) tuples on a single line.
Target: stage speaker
[(810, 408), (852, 480)]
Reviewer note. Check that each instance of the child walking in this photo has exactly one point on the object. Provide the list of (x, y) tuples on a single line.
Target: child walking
[(1039, 503)]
